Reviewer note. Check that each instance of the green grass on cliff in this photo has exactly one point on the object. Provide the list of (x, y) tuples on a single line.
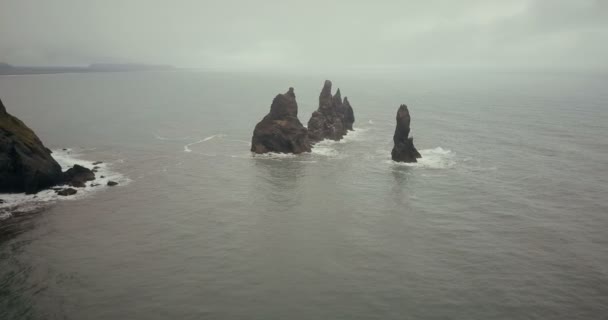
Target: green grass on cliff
[(19, 129)]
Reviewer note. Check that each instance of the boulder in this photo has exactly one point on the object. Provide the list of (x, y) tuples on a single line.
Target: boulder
[(281, 131), (66, 192), (112, 183), (26, 165), (77, 176), (404, 150)]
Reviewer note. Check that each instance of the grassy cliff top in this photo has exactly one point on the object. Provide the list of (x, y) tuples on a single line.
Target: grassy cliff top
[(17, 128)]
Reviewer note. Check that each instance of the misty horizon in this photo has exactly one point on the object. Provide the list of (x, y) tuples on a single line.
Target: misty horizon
[(522, 34)]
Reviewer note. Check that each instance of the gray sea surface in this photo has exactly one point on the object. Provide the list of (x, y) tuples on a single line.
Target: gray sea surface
[(505, 217)]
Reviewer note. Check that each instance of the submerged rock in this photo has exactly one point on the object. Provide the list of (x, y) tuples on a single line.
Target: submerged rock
[(281, 131), (26, 165), (77, 176), (333, 118), (404, 150), (112, 183), (66, 192)]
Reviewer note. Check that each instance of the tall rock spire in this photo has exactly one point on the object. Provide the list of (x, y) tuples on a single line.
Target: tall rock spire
[(404, 150), (281, 131), (327, 122)]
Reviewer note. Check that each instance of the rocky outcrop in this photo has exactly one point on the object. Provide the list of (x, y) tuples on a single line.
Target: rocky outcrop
[(348, 115), (333, 118), (26, 165), (66, 192), (281, 131), (78, 176), (404, 150)]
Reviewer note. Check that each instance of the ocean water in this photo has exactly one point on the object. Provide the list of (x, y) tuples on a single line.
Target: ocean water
[(505, 216)]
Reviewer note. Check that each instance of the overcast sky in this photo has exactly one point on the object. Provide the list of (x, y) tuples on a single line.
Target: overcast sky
[(307, 33)]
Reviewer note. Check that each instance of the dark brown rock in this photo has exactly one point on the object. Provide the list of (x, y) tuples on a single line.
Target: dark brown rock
[(326, 122), (404, 150), (66, 192), (112, 183), (348, 115), (77, 176), (281, 131), (333, 118), (26, 165)]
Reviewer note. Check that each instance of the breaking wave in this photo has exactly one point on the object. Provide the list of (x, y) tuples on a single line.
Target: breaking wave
[(187, 147), (66, 158), (158, 137), (437, 158)]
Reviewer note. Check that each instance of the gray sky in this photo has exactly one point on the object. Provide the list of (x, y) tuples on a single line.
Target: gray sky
[(307, 33)]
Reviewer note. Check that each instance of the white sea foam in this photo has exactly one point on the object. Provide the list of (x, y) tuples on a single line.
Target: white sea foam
[(158, 137), (187, 147), (357, 135), (437, 158), (66, 159), (275, 156), (325, 148)]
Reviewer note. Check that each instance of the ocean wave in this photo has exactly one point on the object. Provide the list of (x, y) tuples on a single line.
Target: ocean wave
[(358, 134), (66, 159), (326, 148), (437, 158), (209, 138), (274, 156), (158, 137)]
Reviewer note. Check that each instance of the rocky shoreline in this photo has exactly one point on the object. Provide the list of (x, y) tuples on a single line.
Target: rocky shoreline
[(27, 166)]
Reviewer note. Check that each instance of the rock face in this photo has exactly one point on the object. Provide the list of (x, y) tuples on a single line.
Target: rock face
[(348, 115), (333, 117), (281, 131), (26, 165), (404, 150)]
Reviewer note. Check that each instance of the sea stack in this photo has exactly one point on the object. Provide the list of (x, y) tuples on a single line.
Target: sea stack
[(281, 131), (348, 116), (26, 165), (404, 150), (333, 117)]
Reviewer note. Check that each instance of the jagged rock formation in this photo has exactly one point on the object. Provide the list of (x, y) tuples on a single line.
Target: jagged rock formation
[(333, 118), (26, 165), (77, 176), (348, 114), (404, 150), (281, 131)]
